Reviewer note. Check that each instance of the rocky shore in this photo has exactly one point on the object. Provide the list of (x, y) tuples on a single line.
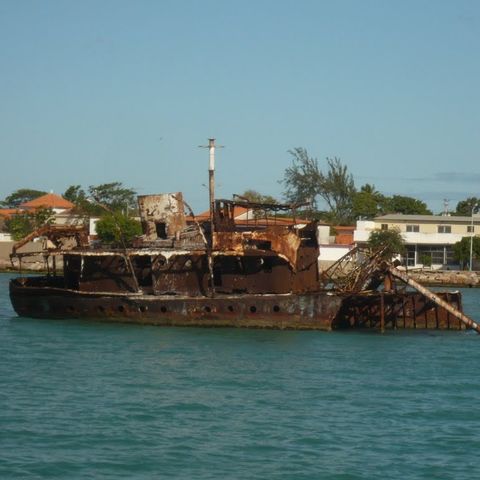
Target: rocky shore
[(446, 277), (31, 264)]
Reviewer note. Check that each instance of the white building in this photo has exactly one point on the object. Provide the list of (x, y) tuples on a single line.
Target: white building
[(428, 238)]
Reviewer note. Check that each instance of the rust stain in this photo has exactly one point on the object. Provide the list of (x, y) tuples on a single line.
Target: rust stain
[(162, 215)]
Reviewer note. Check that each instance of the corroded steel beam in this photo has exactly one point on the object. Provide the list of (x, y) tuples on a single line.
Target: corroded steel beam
[(55, 233), (467, 321)]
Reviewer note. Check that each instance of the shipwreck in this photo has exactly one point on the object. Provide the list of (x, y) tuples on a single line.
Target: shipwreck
[(216, 272)]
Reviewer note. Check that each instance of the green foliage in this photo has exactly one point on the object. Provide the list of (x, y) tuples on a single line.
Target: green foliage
[(101, 198), (19, 226), (367, 203), (21, 196), (83, 204), (114, 196), (461, 250), (75, 194), (256, 197), (405, 205), (117, 229), (304, 181), (22, 224), (465, 207), (337, 188), (391, 240), (426, 260)]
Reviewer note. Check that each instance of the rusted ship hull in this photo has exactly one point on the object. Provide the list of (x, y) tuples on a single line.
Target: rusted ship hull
[(313, 311), (398, 310), (281, 311)]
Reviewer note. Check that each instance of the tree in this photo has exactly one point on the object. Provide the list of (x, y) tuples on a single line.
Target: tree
[(405, 205), (304, 181), (75, 194), (461, 250), (114, 196), (84, 205), (118, 229), (337, 188), (22, 224), (367, 202), (256, 197), (20, 196), (465, 207), (391, 240)]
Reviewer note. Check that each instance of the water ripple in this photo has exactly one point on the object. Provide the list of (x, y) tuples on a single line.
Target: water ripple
[(88, 400)]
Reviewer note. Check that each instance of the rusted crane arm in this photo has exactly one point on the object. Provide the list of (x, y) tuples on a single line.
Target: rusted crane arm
[(467, 321)]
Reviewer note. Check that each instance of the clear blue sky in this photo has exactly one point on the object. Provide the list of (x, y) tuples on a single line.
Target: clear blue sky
[(98, 91)]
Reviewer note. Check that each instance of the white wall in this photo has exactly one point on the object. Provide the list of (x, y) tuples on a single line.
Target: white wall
[(412, 238), (332, 253), (92, 228), (362, 232), (323, 234)]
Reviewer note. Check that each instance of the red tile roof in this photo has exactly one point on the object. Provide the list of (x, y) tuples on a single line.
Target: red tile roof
[(50, 200), (8, 212)]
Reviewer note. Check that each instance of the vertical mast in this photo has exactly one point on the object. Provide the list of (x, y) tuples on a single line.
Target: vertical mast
[(211, 180), (211, 194)]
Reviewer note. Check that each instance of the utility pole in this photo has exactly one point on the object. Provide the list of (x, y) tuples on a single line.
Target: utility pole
[(211, 178), (211, 196), (472, 233)]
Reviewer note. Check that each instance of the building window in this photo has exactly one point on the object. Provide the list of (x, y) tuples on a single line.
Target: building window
[(470, 229), (384, 226), (450, 257), (438, 256), (411, 256), (444, 229), (413, 228), (432, 255)]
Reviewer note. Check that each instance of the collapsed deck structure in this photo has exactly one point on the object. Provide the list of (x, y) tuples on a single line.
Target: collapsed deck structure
[(262, 273)]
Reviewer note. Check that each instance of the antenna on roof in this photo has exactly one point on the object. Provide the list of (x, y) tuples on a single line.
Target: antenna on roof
[(445, 207)]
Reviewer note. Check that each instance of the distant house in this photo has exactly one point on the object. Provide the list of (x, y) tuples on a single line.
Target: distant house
[(60, 206), (334, 243), (428, 238), (51, 200), (6, 214)]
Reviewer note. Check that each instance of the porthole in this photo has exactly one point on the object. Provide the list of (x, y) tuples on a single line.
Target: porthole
[(207, 309), (230, 308), (253, 309), (163, 309), (143, 308), (276, 308), (121, 308)]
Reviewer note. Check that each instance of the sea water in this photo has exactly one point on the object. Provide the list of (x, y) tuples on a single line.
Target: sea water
[(80, 399)]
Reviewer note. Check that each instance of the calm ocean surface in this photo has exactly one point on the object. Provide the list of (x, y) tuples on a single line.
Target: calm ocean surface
[(91, 400)]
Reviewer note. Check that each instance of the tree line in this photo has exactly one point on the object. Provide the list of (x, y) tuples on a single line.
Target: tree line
[(112, 202), (304, 184)]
